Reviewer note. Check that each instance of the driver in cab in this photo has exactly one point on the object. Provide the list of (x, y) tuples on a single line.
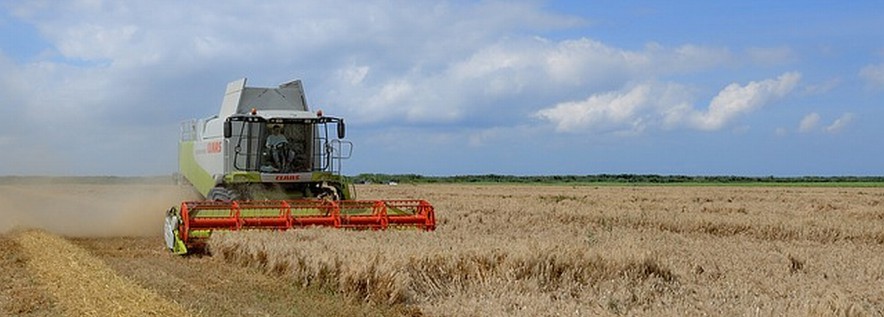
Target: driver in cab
[(276, 138), (277, 146)]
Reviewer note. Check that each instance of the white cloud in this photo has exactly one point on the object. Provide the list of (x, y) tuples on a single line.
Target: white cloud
[(664, 106), (613, 109), (840, 123), (735, 100), (523, 71), (809, 122), (575, 62), (874, 75), (387, 61)]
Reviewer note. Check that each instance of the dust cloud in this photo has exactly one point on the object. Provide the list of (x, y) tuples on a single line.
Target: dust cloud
[(90, 210)]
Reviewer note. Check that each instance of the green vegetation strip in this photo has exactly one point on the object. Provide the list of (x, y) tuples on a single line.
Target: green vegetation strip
[(627, 180)]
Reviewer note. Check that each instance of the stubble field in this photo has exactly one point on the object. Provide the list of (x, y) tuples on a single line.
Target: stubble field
[(498, 250)]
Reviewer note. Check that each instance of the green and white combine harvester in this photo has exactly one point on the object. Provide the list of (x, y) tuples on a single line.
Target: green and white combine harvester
[(266, 162)]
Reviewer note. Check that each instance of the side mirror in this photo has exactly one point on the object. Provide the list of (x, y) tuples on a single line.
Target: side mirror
[(228, 129), (341, 129)]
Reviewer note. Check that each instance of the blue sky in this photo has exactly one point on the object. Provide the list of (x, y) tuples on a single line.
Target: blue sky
[(752, 88)]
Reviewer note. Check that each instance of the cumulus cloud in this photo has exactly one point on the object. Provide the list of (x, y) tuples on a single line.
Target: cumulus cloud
[(613, 109), (518, 72), (809, 122), (376, 62), (665, 106), (735, 100), (840, 123), (873, 75)]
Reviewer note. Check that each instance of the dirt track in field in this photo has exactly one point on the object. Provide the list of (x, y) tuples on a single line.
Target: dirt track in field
[(66, 269)]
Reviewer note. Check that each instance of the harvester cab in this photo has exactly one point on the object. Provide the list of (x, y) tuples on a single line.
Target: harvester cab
[(265, 161)]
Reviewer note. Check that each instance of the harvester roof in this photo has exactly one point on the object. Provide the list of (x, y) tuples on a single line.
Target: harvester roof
[(287, 100)]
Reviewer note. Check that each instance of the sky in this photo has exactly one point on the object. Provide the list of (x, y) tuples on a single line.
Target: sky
[(748, 88)]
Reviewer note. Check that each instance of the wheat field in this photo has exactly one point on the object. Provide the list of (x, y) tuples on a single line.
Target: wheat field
[(577, 251), (498, 251)]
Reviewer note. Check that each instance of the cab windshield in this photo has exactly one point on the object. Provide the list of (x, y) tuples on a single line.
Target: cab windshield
[(286, 148)]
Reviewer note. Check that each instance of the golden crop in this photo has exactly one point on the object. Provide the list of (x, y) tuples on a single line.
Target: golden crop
[(573, 251)]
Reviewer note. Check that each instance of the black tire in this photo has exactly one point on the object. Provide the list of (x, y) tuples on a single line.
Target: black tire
[(222, 194), (328, 191)]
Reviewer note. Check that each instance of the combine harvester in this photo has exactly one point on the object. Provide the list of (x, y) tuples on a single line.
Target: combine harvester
[(266, 162)]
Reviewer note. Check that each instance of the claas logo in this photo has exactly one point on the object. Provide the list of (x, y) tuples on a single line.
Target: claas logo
[(213, 147)]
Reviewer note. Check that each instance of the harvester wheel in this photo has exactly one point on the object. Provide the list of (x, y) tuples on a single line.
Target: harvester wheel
[(328, 192), (222, 194)]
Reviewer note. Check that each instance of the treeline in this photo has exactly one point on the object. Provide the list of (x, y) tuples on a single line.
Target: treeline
[(606, 178)]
